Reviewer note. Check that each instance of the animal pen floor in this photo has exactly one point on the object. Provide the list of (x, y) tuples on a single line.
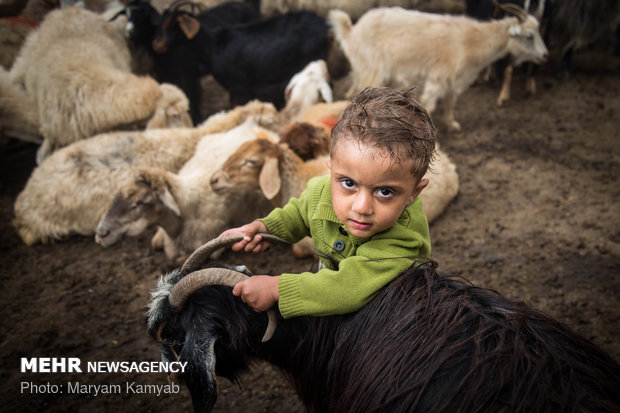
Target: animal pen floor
[(537, 218)]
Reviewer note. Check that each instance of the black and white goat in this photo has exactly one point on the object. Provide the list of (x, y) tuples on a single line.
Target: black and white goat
[(426, 342), (254, 60), (168, 39)]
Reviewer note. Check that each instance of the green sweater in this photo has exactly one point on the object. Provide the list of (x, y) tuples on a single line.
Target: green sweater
[(365, 264)]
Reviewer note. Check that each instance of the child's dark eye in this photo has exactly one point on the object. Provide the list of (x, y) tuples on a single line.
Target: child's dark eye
[(385, 193), (347, 183)]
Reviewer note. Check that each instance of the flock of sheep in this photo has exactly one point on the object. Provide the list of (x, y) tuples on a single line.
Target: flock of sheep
[(119, 155)]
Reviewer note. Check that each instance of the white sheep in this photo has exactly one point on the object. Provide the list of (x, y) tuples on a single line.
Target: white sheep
[(306, 88), (440, 53), (75, 72), (183, 205), (70, 192), (280, 175)]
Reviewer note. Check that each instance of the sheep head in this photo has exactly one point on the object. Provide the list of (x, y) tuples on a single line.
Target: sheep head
[(171, 109), (254, 165), (143, 201), (306, 140)]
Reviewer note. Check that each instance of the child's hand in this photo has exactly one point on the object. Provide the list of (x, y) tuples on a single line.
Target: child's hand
[(259, 291), (249, 243)]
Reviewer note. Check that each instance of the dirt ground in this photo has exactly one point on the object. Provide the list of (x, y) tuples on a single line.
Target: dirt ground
[(537, 218)]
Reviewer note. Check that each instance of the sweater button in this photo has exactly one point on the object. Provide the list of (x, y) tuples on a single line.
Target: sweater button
[(339, 245), (342, 230)]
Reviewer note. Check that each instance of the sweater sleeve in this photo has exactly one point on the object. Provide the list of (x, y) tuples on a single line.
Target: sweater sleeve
[(357, 280), (290, 222)]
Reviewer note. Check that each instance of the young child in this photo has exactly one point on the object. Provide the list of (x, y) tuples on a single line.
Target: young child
[(365, 215)]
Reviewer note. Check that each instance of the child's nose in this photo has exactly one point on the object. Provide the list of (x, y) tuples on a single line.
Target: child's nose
[(362, 204)]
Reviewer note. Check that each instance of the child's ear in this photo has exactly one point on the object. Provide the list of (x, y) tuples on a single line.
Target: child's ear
[(328, 163), (417, 190)]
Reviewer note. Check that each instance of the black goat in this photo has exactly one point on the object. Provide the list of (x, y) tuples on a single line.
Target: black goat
[(254, 60), (426, 342), (167, 40), (570, 25)]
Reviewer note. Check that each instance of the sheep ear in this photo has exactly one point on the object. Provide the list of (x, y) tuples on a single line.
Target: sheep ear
[(269, 178), (168, 200), (189, 25)]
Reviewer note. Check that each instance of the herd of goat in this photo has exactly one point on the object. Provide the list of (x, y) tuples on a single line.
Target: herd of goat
[(112, 93)]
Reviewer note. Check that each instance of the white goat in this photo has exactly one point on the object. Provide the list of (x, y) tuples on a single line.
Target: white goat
[(183, 204), (443, 54), (306, 88), (70, 192), (75, 72)]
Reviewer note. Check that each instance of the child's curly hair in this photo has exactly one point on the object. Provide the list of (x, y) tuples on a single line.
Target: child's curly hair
[(392, 121)]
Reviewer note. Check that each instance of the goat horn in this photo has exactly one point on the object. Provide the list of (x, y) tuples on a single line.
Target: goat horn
[(180, 3), (202, 253), (517, 11), (214, 276)]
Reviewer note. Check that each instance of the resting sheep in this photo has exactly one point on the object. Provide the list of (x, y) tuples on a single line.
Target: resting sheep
[(426, 342), (70, 192), (75, 73), (442, 54), (183, 204)]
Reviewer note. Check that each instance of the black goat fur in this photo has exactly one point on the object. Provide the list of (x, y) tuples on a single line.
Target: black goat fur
[(426, 342)]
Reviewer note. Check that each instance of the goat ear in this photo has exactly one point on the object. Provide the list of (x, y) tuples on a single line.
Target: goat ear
[(326, 92), (514, 30), (269, 178), (168, 200), (189, 25)]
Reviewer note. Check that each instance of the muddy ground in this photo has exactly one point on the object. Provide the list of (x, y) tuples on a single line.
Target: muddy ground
[(537, 218)]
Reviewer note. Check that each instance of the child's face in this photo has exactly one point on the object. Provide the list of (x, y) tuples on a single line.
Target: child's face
[(369, 191)]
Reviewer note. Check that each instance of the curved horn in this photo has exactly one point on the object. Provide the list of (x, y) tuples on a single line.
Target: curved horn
[(517, 11), (213, 276), (194, 7), (202, 253)]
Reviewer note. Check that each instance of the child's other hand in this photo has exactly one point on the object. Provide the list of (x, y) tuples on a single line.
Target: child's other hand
[(259, 291), (249, 243)]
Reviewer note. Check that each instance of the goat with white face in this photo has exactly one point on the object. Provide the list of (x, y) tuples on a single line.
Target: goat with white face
[(443, 54)]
